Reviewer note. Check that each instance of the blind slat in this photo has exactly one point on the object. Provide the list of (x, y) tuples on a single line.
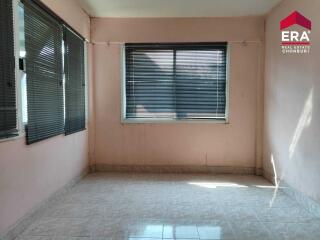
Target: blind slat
[(176, 81)]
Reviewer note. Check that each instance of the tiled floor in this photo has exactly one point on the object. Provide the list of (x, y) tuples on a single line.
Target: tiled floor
[(174, 206)]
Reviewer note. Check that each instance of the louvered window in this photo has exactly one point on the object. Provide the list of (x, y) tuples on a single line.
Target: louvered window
[(55, 74), (8, 121), (175, 81), (44, 71), (74, 83)]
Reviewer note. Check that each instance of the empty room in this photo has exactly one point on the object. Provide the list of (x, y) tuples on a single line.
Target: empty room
[(159, 120)]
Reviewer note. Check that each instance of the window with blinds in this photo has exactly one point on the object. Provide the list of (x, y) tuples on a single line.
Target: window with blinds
[(44, 71), (8, 122), (75, 120), (175, 81)]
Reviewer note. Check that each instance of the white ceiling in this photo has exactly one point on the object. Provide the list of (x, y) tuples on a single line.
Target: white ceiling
[(177, 8)]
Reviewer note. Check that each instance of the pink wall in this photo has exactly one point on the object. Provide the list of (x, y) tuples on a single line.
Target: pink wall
[(30, 174), (198, 144), (292, 104), (71, 12)]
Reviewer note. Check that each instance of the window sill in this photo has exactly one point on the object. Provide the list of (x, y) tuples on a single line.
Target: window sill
[(173, 121), (21, 135)]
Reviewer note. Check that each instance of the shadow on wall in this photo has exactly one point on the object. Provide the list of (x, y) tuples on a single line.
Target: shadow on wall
[(188, 84)]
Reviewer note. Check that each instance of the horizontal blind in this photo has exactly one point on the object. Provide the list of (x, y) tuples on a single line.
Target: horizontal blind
[(43, 41), (8, 122), (176, 81), (75, 83)]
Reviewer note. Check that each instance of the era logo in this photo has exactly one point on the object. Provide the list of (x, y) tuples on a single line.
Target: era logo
[(295, 37)]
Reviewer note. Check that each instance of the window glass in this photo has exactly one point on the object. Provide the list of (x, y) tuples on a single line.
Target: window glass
[(175, 81)]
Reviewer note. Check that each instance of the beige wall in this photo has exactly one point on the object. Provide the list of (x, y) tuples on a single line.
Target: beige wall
[(198, 144), (30, 174), (292, 104)]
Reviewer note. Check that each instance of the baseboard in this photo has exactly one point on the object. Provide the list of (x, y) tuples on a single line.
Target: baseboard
[(304, 200), (35, 212), (175, 169)]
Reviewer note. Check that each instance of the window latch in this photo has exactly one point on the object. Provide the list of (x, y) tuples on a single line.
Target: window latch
[(22, 64)]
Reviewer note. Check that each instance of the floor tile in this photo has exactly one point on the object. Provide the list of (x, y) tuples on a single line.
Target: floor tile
[(73, 227), (291, 231), (295, 214), (180, 231), (217, 230), (76, 211), (250, 230), (35, 238), (145, 230), (109, 228), (104, 238), (239, 214), (117, 206), (286, 231), (72, 238), (133, 238)]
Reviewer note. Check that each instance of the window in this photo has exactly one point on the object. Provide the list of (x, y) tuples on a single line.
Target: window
[(53, 89), (8, 112), (175, 82), (74, 83), (44, 71)]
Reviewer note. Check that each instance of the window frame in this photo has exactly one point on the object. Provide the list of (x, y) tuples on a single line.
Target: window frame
[(125, 120), (21, 125)]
